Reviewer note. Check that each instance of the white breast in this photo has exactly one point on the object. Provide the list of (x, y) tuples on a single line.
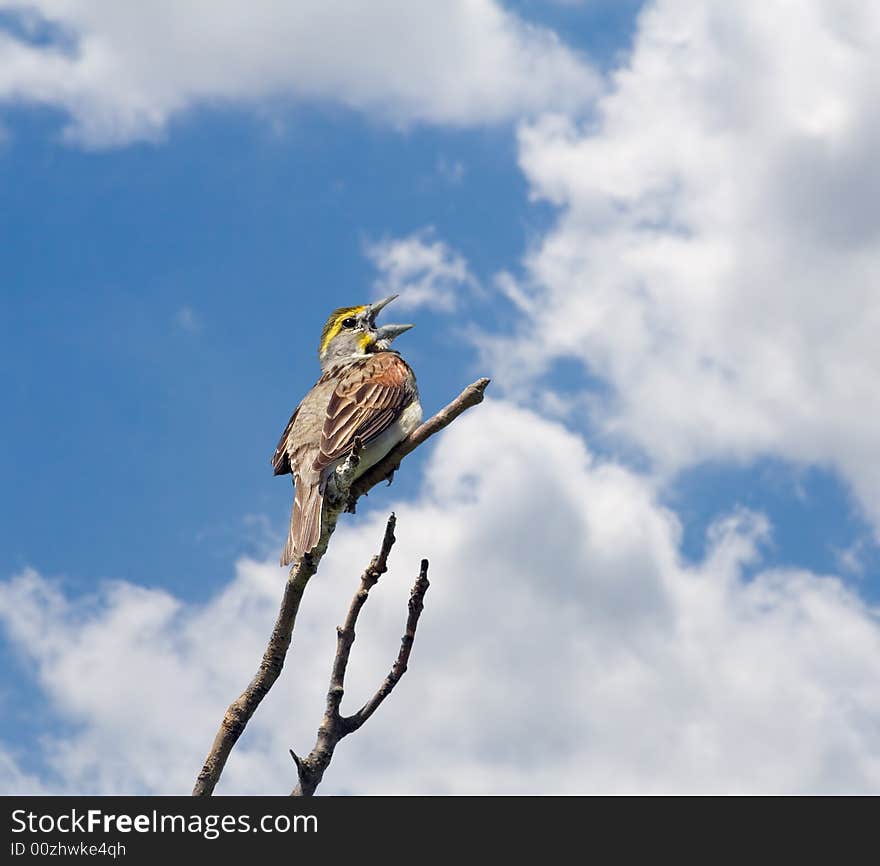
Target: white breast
[(377, 448)]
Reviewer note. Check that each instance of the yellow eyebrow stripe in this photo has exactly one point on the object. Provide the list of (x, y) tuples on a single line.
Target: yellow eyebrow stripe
[(334, 325)]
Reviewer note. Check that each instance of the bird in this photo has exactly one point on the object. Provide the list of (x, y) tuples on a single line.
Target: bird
[(366, 392)]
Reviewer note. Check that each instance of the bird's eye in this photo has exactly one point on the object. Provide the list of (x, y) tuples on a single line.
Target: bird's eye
[(349, 322)]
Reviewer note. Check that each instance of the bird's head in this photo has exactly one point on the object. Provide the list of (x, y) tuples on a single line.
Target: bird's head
[(352, 331)]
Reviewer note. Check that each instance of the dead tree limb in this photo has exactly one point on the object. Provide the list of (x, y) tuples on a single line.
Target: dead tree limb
[(344, 497), (334, 725), (385, 468)]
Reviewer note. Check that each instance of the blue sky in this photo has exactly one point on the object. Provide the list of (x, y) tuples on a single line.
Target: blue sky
[(259, 236), (171, 247)]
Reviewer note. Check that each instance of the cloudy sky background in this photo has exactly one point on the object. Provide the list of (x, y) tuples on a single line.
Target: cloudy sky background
[(654, 550)]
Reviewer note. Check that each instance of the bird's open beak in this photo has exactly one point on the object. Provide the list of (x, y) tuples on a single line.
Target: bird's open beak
[(376, 307), (387, 332)]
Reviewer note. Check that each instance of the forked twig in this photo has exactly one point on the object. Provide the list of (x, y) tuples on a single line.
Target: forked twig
[(334, 725)]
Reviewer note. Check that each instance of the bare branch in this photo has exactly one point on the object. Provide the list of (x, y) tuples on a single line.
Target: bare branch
[(334, 725), (388, 465), (243, 707), (416, 605), (345, 634), (344, 496)]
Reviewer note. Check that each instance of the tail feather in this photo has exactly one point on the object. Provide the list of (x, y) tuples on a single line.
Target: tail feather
[(305, 520)]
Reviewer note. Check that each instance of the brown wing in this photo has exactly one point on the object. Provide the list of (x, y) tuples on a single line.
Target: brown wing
[(281, 459), (368, 399)]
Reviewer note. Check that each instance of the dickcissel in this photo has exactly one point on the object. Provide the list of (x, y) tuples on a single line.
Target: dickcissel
[(366, 392)]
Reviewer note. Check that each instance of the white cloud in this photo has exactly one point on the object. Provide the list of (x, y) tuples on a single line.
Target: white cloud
[(121, 71), (565, 647), (424, 271), (716, 254)]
